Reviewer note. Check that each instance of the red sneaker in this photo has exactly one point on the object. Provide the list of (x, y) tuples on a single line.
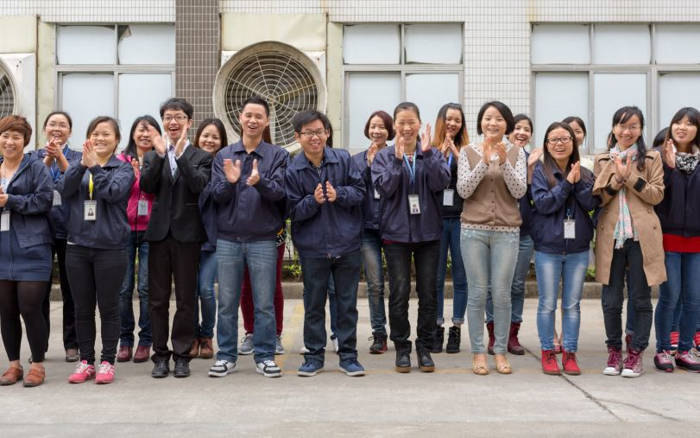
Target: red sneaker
[(568, 362), (697, 340), (83, 372), (614, 365), (105, 373), (549, 363)]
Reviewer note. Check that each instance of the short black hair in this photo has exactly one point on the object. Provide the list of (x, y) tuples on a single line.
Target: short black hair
[(305, 117), (130, 149), (59, 113), (406, 106), (177, 103), (386, 119), (218, 124), (104, 119), (520, 117), (257, 100), (579, 121), (501, 108)]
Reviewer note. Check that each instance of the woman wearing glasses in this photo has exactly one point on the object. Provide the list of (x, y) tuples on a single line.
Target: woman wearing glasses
[(630, 182)]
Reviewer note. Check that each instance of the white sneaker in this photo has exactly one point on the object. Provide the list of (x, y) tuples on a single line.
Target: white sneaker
[(246, 346), (279, 349), (221, 368), (303, 350), (334, 340), (268, 368)]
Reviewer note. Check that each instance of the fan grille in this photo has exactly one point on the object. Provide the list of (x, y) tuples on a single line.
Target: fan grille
[(7, 94), (281, 80)]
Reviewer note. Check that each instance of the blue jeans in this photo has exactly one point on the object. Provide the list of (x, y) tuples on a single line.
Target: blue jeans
[(261, 259), (683, 272), (517, 289), (489, 259), (374, 275), (205, 292), (451, 228), (571, 270), (345, 271), (137, 244)]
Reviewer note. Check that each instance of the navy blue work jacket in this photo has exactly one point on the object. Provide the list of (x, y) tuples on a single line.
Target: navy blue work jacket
[(59, 213), (207, 208), (370, 205), (331, 229)]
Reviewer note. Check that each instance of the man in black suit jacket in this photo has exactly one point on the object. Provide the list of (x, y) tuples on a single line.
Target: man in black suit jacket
[(176, 172)]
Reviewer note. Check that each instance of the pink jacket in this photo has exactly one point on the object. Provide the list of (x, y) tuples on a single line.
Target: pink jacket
[(137, 223)]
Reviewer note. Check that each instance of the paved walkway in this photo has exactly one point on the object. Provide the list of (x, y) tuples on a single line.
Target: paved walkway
[(450, 402)]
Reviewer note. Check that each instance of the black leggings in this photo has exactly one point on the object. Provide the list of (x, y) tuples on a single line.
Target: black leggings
[(23, 298)]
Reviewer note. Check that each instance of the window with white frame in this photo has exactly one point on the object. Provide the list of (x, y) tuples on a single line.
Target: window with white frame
[(385, 64), (123, 71), (591, 70)]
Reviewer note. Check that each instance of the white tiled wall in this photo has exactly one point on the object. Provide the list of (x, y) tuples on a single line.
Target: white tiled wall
[(93, 11)]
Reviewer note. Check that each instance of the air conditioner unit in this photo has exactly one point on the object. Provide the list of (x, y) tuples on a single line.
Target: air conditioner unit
[(18, 88), (289, 79)]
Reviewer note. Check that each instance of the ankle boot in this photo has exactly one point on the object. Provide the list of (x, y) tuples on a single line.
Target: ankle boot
[(514, 346), (453, 339), (489, 328), (438, 339)]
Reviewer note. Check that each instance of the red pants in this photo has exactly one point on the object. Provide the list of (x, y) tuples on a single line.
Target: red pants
[(247, 308)]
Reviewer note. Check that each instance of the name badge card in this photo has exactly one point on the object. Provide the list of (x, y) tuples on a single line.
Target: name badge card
[(413, 204), (448, 197), (5, 221), (376, 194), (142, 208), (57, 199), (569, 229), (90, 210)]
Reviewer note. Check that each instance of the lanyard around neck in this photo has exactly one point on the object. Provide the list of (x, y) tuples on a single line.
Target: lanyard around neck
[(411, 166)]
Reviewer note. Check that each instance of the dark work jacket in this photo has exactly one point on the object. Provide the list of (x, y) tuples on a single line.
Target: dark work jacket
[(250, 213), (207, 207), (679, 211), (392, 178), (59, 213), (111, 189), (370, 205), (331, 229), (176, 205), (455, 210), (526, 207), (30, 195), (551, 208)]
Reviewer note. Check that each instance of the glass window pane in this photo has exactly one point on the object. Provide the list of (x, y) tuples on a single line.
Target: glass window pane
[(85, 96), (611, 92), (85, 45), (677, 90), (369, 92), (147, 44), (434, 43), (559, 95), (621, 44), (141, 94), (677, 44), (371, 44), (560, 44), (430, 92)]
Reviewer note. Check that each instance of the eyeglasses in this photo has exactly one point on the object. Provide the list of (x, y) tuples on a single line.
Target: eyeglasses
[(633, 128), (310, 134), (178, 118), (560, 140)]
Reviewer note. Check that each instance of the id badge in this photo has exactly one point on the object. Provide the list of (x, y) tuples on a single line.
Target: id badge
[(376, 194), (142, 209), (90, 210), (569, 229), (413, 204), (5, 221), (57, 202), (448, 197)]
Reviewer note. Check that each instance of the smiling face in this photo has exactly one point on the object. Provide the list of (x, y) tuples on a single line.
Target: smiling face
[(253, 120), (57, 129), (453, 122), (522, 134), (104, 139), (628, 133), (493, 124), (174, 122), (210, 140), (684, 131), (142, 137), (312, 138), (378, 133), (407, 126), (560, 145), (578, 131), (12, 145)]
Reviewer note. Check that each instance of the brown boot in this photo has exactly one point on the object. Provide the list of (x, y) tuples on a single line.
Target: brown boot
[(34, 377), (206, 350), (143, 352), (194, 352), (11, 376), (514, 346), (124, 354), (489, 328)]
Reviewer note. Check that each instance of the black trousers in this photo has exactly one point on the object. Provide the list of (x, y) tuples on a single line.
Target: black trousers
[(96, 275), (398, 261), (23, 298), (639, 296), (167, 259), (70, 338)]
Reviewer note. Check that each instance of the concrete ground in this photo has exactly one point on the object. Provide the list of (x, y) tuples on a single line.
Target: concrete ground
[(450, 402)]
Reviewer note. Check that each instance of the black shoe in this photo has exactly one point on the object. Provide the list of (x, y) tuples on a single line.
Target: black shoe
[(438, 339), (453, 340), (182, 367), (160, 369), (378, 344), (403, 361), (425, 362)]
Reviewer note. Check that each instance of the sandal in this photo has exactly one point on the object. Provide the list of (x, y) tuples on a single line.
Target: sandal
[(502, 365), (479, 366)]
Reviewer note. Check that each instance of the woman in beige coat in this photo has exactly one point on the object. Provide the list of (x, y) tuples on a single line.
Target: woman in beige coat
[(629, 181)]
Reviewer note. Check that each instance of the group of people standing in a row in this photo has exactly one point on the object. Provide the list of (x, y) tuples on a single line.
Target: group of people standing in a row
[(190, 213)]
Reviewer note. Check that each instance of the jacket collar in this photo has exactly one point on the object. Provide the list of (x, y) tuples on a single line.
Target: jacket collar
[(238, 148), (301, 162)]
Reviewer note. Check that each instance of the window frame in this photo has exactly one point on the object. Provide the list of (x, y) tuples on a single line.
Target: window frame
[(402, 68)]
